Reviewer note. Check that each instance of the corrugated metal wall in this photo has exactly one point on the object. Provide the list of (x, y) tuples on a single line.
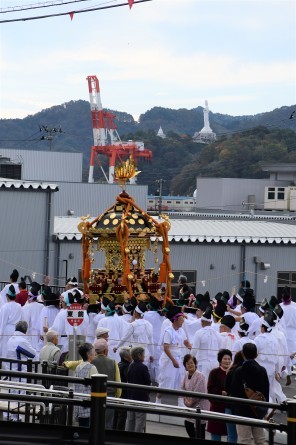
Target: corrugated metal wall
[(93, 199), (23, 232), (199, 257), (47, 165)]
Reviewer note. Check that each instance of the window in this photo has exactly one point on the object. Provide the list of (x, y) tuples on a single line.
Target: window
[(286, 279), (191, 279), (169, 202), (178, 202), (186, 202), (271, 193), (281, 193), (151, 201)]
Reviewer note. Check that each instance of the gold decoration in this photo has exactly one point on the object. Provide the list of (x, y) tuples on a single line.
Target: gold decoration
[(106, 222), (135, 216), (125, 171), (115, 222), (127, 250), (167, 249), (171, 276), (112, 216), (130, 277), (132, 221), (141, 221)]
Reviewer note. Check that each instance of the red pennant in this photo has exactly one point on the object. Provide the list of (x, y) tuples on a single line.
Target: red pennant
[(71, 14), (131, 2)]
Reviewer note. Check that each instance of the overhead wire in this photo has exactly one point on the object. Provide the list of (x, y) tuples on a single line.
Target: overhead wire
[(50, 4), (24, 19)]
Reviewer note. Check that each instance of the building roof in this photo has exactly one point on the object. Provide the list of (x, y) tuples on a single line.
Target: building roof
[(19, 184), (203, 231)]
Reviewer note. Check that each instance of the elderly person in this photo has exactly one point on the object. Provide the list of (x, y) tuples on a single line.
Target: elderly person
[(138, 373), (50, 352), (84, 370), (194, 381), (108, 366), (123, 365)]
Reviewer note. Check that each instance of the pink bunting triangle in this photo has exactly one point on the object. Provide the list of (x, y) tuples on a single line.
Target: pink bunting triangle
[(131, 2), (71, 14)]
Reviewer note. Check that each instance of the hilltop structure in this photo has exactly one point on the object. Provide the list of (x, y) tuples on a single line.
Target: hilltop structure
[(160, 133), (206, 134)]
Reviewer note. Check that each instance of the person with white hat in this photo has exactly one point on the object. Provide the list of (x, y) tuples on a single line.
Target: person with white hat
[(10, 314), (102, 332), (116, 326)]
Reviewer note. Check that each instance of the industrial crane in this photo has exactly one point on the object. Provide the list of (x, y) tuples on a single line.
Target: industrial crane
[(106, 137)]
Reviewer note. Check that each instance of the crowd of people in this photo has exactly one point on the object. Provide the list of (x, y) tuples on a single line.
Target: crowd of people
[(218, 345)]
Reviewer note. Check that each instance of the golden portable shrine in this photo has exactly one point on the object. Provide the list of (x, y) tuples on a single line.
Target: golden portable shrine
[(124, 232)]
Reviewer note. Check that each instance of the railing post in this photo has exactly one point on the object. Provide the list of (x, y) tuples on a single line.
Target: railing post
[(70, 409), (197, 424), (98, 409), (291, 422)]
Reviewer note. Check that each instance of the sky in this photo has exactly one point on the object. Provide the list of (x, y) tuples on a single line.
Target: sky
[(239, 55)]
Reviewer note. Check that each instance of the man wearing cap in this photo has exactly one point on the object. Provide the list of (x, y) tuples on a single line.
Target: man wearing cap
[(139, 332), (206, 344), (31, 314), (106, 365), (102, 333), (10, 314), (228, 338), (255, 328)]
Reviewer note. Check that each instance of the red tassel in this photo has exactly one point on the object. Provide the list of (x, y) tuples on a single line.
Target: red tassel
[(71, 14), (131, 2)]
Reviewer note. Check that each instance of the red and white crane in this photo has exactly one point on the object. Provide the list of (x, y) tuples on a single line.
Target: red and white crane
[(106, 137)]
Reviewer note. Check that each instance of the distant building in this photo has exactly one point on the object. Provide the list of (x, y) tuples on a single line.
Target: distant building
[(160, 133), (206, 134)]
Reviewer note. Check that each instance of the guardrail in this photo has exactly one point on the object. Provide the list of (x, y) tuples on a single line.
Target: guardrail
[(98, 399)]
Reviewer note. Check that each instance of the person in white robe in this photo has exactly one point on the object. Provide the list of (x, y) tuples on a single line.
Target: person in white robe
[(13, 280), (243, 337), (175, 345), (31, 314), (227, 337), (48, 314), (139, 333), (64, 328), (116, 325), (267, 347), (206, 345), (10, 314)]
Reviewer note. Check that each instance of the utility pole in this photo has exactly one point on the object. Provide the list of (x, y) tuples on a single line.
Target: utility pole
[(160, 182), (50, 131)]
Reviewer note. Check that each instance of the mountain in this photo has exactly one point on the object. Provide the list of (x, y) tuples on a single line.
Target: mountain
[(67, 127)]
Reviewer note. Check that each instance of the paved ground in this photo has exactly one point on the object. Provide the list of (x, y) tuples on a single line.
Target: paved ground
[(174, 426)]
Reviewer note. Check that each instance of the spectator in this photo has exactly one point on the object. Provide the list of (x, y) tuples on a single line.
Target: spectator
[(108, 366), (216, 385), (123, 365), (137, 373), (231, 428), (255, 377), (84, 370), (50, 352), (194, 381)]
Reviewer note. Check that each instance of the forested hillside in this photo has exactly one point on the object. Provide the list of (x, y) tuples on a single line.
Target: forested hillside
[(238, 152)]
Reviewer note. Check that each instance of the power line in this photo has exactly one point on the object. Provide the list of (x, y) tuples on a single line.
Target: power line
[(40, 5), (24, 19)]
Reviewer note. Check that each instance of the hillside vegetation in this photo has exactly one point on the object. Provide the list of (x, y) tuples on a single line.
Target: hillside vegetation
[(244, 142)]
